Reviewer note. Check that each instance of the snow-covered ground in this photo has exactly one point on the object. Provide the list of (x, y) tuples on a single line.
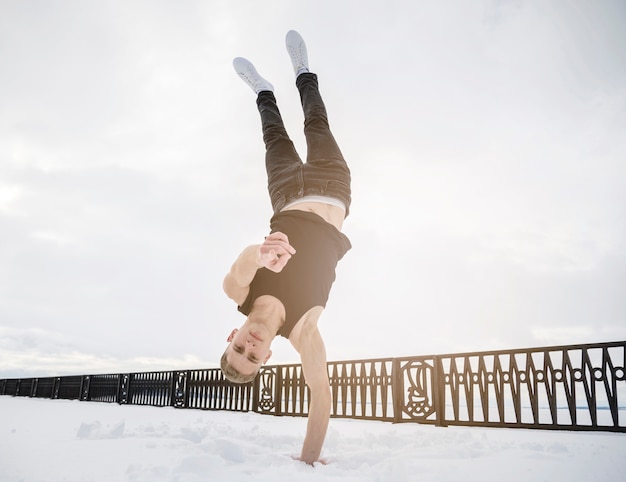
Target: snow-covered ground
[(60, 440)]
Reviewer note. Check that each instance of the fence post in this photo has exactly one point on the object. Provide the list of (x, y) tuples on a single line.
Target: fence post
[(173, 389), (256, 390), (397, 390), (56, 386), (180, 390), (187, 387), (439, 393), (123, 388), (277, 391), (84, 388)]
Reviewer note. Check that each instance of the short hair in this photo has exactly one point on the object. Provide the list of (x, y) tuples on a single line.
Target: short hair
[(234, 375)]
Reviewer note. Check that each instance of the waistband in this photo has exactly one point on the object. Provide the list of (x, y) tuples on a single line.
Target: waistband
[(317, 199)]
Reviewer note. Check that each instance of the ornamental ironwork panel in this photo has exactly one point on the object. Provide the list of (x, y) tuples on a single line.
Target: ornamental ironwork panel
[(44, 388), (266, 391), (281, 390), (293, 392), (208, 389), (150, 388), (100, 388), (416, 391), (12, 386), (205, 389), (24, 388), (560, 387), (362, 389), (180, 389), (123, 388), (69, 388), (84, 388)]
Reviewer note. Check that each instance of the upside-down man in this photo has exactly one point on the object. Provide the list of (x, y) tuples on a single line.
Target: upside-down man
[(282, 284)]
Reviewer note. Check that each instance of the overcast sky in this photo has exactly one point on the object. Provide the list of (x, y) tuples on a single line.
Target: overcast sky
[(486, 141)]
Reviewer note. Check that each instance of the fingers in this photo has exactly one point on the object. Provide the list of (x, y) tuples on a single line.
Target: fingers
[(279, 240), (278, 264), (275, 251), (273, 260)]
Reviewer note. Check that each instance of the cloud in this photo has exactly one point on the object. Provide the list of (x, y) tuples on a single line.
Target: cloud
[(16, 339), (485, 142)]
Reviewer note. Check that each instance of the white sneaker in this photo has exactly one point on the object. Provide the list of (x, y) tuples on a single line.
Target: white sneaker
[(250, 76), (296, 48)]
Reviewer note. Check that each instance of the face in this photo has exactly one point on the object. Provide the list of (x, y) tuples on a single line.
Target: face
[(248, 349)]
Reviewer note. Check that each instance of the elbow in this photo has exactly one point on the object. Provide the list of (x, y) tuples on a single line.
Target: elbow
[(231, 290), (226, 286)]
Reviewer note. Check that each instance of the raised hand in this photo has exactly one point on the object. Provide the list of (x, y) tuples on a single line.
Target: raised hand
[(275, 252)]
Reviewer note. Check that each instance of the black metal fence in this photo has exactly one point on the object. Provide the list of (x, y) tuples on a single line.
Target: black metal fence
[(576, 387)]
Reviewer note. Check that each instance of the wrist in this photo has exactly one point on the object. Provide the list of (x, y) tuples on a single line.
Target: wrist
[(257, 257)]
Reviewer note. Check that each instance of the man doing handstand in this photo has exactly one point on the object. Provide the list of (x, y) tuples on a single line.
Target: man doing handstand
[(282, 285)]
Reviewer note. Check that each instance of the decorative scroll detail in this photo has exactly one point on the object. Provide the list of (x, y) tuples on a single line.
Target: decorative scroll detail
[(56, 390), (266, 402), (419, 394), (180, 386), (84, 389), (123, 392)]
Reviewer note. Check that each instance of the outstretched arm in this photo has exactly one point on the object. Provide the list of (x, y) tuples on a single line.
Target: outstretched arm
[(237, 282), (273, 254), (313, 357)]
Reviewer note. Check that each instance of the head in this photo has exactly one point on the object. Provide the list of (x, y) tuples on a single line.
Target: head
[(248, 349)]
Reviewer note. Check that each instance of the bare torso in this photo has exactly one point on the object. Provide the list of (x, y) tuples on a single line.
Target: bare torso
[(331, 214)]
